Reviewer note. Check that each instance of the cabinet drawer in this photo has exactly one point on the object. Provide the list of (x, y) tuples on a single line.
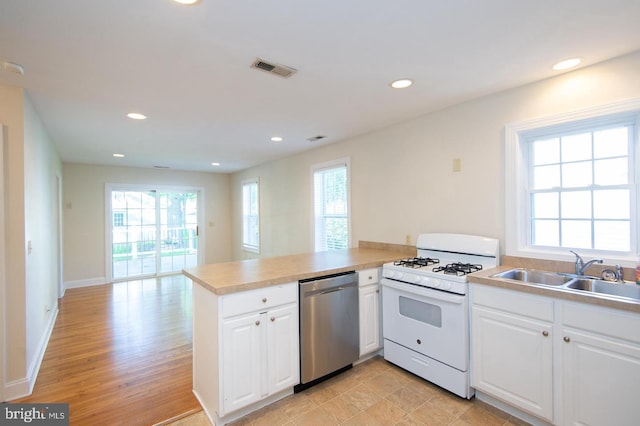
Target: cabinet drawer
[(525, 304), (259, 299), (368, 276), (609, 322)]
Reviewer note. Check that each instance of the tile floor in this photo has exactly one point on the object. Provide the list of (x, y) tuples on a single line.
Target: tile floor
[(372, 393)]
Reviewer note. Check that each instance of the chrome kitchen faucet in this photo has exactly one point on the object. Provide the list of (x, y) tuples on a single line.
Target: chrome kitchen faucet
[(581, 266)]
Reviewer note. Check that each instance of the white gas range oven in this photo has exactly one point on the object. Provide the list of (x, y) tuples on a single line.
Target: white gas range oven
[(425, 307)]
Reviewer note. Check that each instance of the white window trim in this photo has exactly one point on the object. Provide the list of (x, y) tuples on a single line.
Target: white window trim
[(516, 175), (346, 161), (109, 187), (247, 247)]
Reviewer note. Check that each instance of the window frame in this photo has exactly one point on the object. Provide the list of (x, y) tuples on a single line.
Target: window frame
[(157, 188), (517, 207), (246, 245), (346, 162)]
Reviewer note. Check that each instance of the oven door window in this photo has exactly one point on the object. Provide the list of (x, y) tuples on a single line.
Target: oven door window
[(421, 311)]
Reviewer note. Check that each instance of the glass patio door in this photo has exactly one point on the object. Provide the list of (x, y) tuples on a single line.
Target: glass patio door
[(153, 232)]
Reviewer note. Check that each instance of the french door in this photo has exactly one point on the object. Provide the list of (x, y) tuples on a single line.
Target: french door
[(153, 231)]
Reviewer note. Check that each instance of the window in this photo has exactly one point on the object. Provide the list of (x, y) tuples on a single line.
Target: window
[(571, 183), (331, 205), (154, 231), (250, 216)]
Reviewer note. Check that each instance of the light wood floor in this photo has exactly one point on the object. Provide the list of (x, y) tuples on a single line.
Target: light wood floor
[(120, 354)]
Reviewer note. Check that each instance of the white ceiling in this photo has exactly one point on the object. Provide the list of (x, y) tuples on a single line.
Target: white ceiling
[(90, 62)]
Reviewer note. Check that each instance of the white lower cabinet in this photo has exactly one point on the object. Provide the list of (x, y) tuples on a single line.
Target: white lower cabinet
[(511, 352), (600, 366), (369, 311), (242, 359), (567, 363), (283, 366), (245, 349), (260, 356)]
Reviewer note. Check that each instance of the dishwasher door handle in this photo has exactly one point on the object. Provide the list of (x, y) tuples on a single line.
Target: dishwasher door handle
[(321, 291), (332, 290)]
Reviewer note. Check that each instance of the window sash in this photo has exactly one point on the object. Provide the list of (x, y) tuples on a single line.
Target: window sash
[(561, 190), (331, 206), (251, 216)]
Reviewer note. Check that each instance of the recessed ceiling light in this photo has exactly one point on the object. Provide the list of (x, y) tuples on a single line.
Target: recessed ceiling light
[(215, 164), (276, 139), (187, 2), (566, 64), (118, 155), (137, 116), (402, 83)]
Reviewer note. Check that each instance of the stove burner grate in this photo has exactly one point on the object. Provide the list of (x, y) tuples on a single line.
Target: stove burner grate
[(416, 262), (458, 268)]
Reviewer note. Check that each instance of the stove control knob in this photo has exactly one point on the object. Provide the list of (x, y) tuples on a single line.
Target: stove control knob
[(399, 275), (435, 284), (446, 286), (416, 279)]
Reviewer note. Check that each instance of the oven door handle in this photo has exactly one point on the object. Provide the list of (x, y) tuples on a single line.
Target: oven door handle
[(420, 291)]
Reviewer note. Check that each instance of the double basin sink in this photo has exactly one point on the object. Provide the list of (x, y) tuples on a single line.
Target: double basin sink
[(572, 282)]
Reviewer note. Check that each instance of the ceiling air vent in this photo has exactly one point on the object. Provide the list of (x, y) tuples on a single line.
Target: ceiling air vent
[(315, 138), (273, 68)]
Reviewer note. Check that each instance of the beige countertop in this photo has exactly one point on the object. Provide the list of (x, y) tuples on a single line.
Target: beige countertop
[(232, 277), (484, 277)]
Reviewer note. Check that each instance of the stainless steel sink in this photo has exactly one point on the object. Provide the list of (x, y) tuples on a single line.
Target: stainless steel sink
[(533, 276), (629, 290)]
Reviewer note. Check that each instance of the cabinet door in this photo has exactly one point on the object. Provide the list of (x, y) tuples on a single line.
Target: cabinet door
[(369, 305), (242, 351), (282, 348), (511, 359), (601, 380)]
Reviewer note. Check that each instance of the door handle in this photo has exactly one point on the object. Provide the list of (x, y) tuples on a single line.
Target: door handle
[(332, 290)]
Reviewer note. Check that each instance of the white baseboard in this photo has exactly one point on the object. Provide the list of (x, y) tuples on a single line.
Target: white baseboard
[(85, 283), (16, 389), (24, 387)]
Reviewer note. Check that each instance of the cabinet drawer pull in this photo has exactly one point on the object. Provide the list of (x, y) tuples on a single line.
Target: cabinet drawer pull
[(545, 333), (370, 277), (566, 339), (264, 300), (378, 291), (273, 319), (258, 322)]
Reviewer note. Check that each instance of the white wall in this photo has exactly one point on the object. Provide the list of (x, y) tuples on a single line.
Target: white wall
[(11, 115), (84, 214), (41, 166), (30, 165), (402, 176)]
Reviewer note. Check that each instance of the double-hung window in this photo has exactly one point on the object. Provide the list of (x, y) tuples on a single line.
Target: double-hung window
[(251, 216), (572, 184), (331, 205)]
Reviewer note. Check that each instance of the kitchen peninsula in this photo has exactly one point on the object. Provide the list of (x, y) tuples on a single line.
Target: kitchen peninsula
[(245, 324)]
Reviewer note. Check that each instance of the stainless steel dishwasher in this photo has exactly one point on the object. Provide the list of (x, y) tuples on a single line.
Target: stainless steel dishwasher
[(329, 326)]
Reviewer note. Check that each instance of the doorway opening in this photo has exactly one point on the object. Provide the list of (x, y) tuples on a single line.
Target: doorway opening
[(153, 232)]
